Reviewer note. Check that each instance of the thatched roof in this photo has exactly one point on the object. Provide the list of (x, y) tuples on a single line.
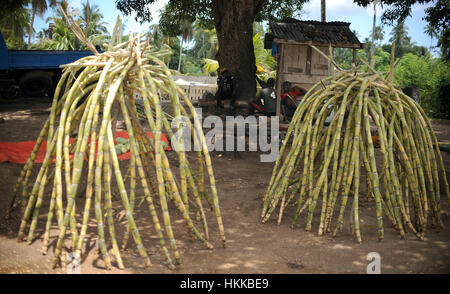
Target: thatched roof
[(316, 32)]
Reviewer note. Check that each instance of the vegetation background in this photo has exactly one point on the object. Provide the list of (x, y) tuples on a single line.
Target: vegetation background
[(195, 46)]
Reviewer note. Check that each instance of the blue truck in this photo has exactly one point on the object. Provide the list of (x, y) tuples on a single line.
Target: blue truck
[(33, 72)]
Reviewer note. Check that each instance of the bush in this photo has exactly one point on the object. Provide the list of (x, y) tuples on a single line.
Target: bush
[(442, 100), (432, 77)]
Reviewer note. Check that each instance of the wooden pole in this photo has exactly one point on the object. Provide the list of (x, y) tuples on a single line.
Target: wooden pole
[(323, 11), (278, 78)]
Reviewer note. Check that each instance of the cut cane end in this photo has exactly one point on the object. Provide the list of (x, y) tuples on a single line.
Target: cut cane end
[(120, 265), (148, 263), (171, 266), (21, 238)]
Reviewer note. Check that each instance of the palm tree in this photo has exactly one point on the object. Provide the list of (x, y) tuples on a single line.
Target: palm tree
[(91, 18), (372, 47), (431, 32), (59, 36), (379, 33), (91, 21), (187, 33), (399, 36), (63, 38), (38, 7), (14, 25), (160, 40), (206, 42)]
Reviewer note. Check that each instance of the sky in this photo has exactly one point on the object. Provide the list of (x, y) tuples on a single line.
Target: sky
[(337, 10)]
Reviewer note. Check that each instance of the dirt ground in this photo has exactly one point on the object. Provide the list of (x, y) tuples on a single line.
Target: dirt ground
[(252, 247)]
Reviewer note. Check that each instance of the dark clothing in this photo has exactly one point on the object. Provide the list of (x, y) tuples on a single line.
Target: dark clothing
[(269, 98), (225, 89), (288, 110), (289, 102)]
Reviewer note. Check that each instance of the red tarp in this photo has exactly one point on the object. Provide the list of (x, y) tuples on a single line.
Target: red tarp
[(20, 151)]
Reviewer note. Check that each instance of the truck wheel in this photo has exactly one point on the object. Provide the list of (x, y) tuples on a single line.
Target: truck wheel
[(36, 83)]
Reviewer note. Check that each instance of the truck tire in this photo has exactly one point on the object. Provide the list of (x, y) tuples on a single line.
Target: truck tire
[(36, 83)]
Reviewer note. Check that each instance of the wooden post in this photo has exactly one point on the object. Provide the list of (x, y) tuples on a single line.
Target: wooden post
[(278, 78), (354, 56), (309, 61), (330, 65)]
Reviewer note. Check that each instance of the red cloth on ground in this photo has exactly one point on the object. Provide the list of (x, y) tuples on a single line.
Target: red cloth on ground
[(18, 152)]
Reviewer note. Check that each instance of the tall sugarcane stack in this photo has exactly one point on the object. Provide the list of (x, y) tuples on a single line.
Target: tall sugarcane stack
[(321, 174), (108, 80)]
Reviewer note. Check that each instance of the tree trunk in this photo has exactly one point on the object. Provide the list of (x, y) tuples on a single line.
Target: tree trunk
[(30, 32), (372, 47), (323, 11), (234, 25), (181, 52)]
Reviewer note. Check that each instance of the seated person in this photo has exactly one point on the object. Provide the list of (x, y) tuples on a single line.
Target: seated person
[(290, 98), (266, 101), (226, 85)]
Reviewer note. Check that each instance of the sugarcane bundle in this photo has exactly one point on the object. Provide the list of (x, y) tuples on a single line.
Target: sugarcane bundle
[(108, 80), (332, 148)]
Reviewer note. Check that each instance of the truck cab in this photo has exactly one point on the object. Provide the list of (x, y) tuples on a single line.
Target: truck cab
[(33, 72)]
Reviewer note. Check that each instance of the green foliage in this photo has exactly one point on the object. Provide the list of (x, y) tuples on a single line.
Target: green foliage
[(343, 57), (263, 58), (265, 63), (191, 65), (206, 43), (432, 77), (59, 36), (437, 15), (210, 66), (38, 7), (201, 11), (14, 27), (441, 103), (62, 37), (10, 6), (383, 60)]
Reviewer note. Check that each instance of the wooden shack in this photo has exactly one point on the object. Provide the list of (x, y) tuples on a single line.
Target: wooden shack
[(298, 62)]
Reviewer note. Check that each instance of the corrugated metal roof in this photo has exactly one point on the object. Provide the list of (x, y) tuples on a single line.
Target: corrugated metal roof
[(315, 31)]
